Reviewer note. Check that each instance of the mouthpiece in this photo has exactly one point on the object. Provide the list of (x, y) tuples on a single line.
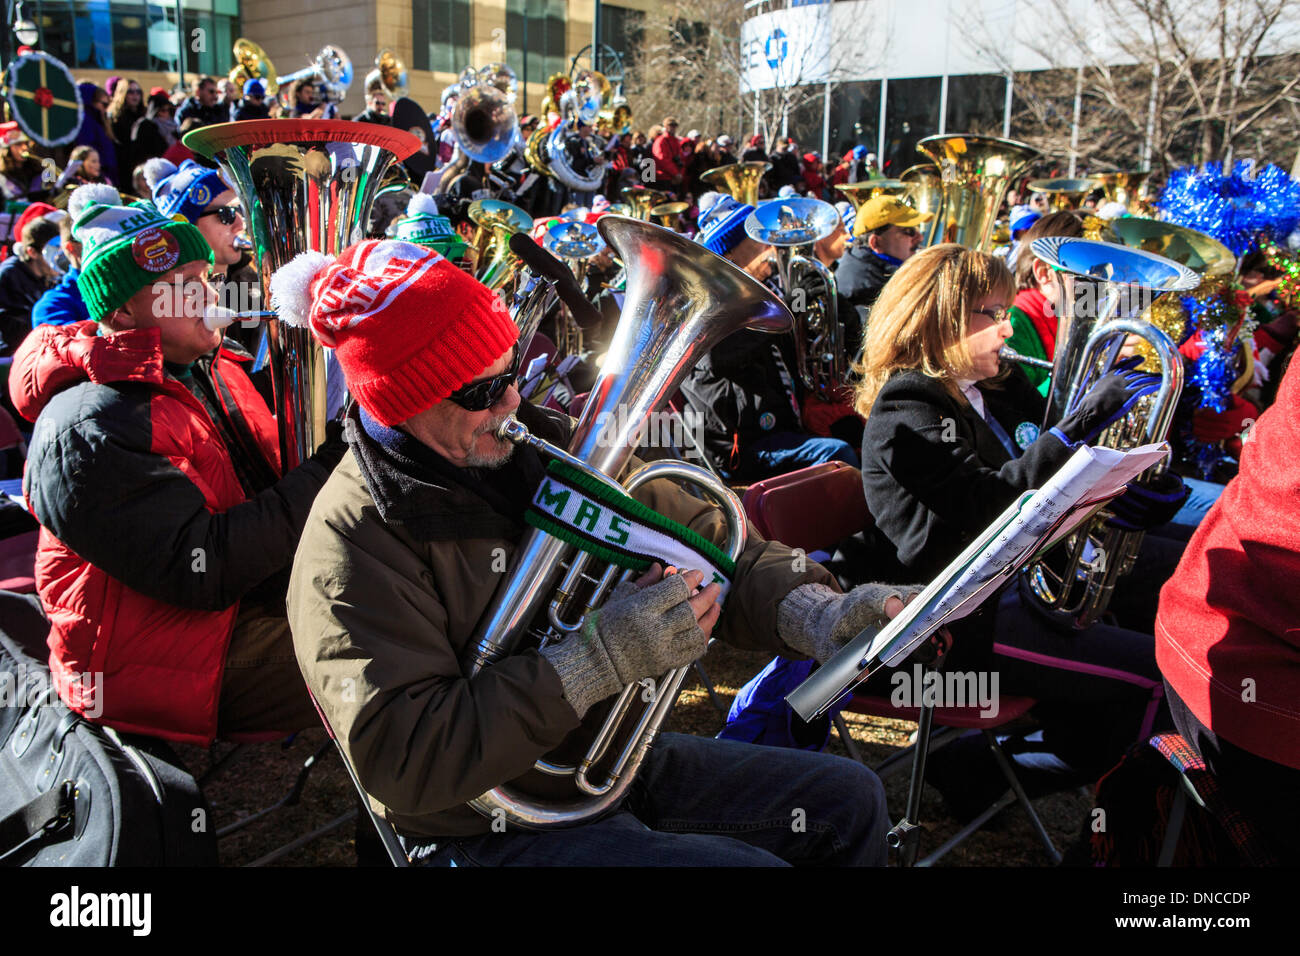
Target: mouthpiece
[(217, 317), (1011, 355), (242, 242)]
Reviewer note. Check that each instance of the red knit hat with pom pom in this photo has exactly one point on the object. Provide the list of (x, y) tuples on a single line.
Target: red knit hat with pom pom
[(408, 327)]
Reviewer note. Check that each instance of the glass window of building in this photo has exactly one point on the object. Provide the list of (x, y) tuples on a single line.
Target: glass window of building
[(538, 27), (912, 114), (855, 117), (123, 35), (440, 35), (976, 104), (622, 30)]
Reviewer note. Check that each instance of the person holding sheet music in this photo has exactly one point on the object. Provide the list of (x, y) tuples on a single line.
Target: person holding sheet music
[(951, 440)]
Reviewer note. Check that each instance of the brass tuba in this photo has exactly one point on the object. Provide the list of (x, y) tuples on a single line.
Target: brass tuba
[(304, 185), (977, 171), (925, 194), (681, 301), (484, 120), (252, 63), (1103, 287), (1065, 194), (495, 221), (1124, 188), (792, 227), (740, 181)]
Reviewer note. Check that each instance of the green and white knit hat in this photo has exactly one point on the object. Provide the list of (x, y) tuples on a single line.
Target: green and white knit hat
[(423, 226), (125, 248)]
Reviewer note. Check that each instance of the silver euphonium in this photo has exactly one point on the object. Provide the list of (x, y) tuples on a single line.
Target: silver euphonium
[(681, 301), (1102, 289), (792, 227), (304, 185)]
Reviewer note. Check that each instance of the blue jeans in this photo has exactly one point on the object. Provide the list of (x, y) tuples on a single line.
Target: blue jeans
[(782, 452), (1204, 494), (704, 802)]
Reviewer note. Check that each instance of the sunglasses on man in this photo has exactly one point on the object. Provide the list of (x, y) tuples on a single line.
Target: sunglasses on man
[(226, 215), (480, 396)]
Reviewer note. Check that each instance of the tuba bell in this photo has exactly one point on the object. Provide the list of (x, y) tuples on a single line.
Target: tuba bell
[(576, 243), (1065, 194), (681, 301), (484, 120), (642, 199), (496, 221), (252, 63), (304, 185), (740, 181), (1124, 188), (792, 227), (925, 194), (1102, 289), (977, 171)]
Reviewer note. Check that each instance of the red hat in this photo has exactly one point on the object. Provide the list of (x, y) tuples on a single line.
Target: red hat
[(33, 211), (10, 134), (407, 326)]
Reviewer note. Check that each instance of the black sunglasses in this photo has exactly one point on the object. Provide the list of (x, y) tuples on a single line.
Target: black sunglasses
[(480, 396), (226, 215)]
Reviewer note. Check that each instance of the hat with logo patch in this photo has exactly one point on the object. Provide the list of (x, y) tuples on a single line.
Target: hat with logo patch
[(188, 191), (424, 226), (126, 248)]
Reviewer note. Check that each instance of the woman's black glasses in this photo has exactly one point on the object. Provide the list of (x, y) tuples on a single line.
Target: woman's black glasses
[(479, 396), (226, 215)]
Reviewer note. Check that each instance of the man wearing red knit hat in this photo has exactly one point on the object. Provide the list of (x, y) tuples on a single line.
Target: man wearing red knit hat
[(408, 541)]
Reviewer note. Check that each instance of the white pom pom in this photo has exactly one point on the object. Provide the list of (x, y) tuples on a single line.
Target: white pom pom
[(156, 170), (291, 287), (89, 194), (422, 204)]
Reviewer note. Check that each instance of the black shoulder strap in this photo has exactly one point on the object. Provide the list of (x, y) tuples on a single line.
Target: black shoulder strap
[(49, 813)]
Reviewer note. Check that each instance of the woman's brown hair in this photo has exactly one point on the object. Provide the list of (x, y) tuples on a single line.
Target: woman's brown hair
[(1062, 223), (920, 320)]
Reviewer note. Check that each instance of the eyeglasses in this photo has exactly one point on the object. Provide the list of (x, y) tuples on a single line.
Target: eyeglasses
[(480, 396), (910, 231), (996, 316), (226, 215)]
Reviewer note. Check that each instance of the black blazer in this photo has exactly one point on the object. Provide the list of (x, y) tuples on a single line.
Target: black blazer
[(936, 474)]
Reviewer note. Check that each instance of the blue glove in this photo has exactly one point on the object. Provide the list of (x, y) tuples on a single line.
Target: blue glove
[(1110, 399), (1144, 506)]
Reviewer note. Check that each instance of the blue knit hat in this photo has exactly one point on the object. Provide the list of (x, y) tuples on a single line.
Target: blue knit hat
[(188, 191), (722, 228), (254, 88)]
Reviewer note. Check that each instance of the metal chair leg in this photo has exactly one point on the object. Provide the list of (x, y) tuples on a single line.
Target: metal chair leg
[(1019, 790), (290, 799), (850, 744)]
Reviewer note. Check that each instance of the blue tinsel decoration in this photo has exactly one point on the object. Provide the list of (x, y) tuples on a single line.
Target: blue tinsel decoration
[(1214, 373), (1234, 208)]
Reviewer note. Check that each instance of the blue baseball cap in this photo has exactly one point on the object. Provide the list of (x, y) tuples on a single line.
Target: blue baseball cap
[(1022, 217)]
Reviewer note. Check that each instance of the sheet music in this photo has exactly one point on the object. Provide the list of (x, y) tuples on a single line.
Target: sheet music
[(1090, 478)]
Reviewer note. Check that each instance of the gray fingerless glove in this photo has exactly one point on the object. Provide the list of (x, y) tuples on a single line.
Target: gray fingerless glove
[(817, 621), (638, 633)]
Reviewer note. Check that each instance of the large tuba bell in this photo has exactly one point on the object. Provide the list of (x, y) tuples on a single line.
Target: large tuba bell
[(977, 171), (390, 73), (1102, 289), (484, 120), (642, 199), (792, 227), (740, 181), (305, 185), (252, 63), (681, 301)]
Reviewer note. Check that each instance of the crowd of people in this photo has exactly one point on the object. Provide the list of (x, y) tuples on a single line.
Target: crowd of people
[(355, 582)]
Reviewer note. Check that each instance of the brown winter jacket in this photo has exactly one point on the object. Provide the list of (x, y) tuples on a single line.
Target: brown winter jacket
[(381, 617)]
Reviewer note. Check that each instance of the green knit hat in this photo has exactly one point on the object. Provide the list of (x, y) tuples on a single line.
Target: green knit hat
[(423, 226), (125, 248)]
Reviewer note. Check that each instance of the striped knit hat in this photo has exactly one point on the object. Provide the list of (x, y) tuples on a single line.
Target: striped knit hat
[(407, 326), (424, 226), (125, 248), (723, 226)]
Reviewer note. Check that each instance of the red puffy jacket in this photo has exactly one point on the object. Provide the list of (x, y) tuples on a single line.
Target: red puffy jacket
[(149, 535)]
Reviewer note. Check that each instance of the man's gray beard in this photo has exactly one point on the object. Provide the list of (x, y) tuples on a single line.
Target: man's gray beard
[(493, 460)]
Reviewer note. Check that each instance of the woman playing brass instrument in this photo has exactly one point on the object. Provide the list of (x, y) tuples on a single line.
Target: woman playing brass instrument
[(952, 439)]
